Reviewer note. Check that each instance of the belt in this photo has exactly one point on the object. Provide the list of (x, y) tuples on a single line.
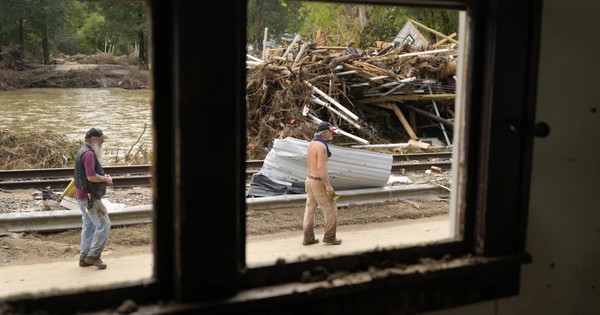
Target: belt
[(314, 177)]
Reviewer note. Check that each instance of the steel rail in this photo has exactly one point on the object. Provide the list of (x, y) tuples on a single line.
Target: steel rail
[(138, 175), (68, 172), (61, 183), (61, 220)]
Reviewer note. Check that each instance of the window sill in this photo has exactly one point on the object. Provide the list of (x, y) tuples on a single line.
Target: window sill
[(430, 285)]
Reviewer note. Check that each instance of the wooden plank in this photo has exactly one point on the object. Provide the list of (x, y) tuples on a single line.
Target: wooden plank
[(433, 31), (430, 115), (444, 40), (404, 122), (331, 47), (418, 144)]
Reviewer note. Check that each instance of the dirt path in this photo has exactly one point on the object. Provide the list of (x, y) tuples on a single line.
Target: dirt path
[(137, 265), (269, 249), (36, 263)]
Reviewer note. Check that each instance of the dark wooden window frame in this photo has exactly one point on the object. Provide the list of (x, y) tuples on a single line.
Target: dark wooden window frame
[(198, 67)]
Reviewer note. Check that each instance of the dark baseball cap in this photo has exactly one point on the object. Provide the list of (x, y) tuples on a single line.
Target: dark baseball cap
[(325, 126), (95, 132)]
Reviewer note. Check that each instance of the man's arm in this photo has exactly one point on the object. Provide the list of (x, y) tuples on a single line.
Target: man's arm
[(97, 178), (90, 170)]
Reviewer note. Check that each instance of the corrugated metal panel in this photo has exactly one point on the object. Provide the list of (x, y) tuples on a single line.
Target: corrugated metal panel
[(261, 186), (348, 168)]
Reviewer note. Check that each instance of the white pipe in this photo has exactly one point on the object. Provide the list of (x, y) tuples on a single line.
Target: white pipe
[(296, 39), (253, 58), (265, 38), (328, 106), (334, 102), (338, 130)]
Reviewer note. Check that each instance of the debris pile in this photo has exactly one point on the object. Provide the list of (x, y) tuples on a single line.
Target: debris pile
[(36, 149), (392, 92)]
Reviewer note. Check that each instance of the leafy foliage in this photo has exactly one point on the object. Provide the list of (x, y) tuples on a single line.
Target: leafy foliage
[(361, 25), (93, 34), (279, 16), (50, 28)]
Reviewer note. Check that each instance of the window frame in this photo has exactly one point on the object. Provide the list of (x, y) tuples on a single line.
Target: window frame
[(200, 248)]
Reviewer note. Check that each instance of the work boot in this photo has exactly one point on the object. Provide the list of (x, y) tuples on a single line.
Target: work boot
[(96, 261), (310, 242), (335, 241), (83, 263)]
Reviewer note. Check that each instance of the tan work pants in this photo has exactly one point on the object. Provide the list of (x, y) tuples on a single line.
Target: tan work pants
[(316, 196)]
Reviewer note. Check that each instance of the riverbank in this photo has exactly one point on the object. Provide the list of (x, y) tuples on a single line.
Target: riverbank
[(75, 76), (44, 149)]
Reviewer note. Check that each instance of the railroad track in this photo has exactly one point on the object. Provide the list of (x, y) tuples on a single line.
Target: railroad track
[(61, 220), (139, 175), (57, 178)]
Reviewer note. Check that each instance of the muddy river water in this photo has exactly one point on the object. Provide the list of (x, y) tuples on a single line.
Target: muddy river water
[(124, 115)]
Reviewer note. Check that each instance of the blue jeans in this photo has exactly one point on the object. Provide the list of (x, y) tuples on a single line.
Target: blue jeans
[(94, 229)]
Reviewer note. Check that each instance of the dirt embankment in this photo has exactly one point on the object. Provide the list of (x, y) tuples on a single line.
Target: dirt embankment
[(75, 76), (97, 71)]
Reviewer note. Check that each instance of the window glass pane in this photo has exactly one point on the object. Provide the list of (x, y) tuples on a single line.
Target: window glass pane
[(65, 67), (387, 78)]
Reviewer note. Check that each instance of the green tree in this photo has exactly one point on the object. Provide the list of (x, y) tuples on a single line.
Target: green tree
[(361, 25), (279, 16), (36, 25), (48, 20), (321, 17), (127, 24), (67, 39), (12, 16), (46, 27), (93, 34), (443, 21), (385, 23)]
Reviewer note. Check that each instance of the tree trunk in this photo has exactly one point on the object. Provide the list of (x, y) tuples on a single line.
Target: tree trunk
[(45, 46), (362, 17), (142, 52), (21, 33)]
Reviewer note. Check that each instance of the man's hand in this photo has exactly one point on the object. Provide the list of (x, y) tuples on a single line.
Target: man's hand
[(329, 190), (109, 180)]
